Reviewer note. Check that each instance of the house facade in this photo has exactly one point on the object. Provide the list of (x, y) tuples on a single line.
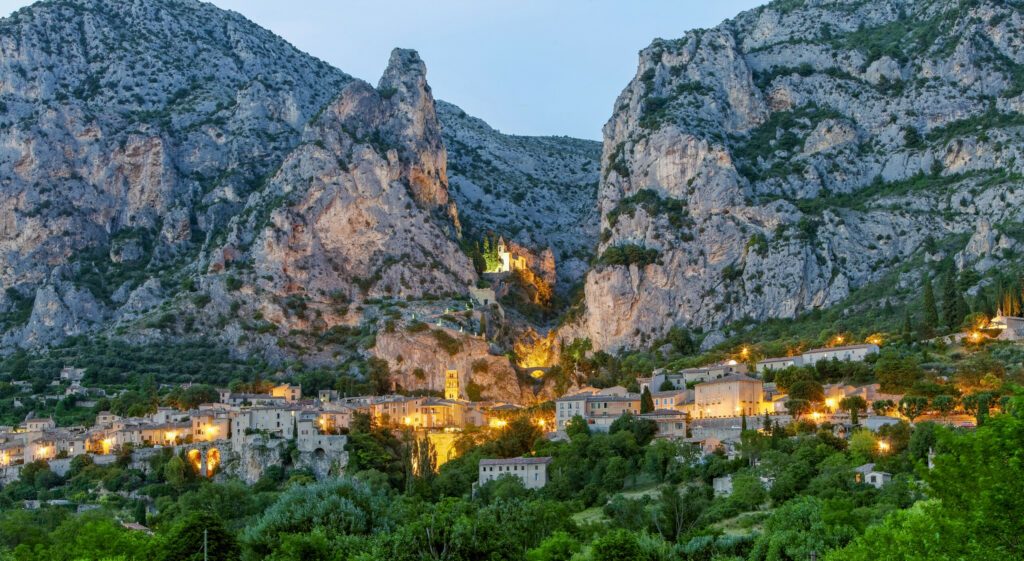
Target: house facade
[(533, 472), (730, 396)]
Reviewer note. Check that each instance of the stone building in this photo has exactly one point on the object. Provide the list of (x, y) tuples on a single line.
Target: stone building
[(533, 472), (731, 396), (854, 353)]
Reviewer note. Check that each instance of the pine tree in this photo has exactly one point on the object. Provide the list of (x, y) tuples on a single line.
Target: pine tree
[(743, 422), (930, 316)]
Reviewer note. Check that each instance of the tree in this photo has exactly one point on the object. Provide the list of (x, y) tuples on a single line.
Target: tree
[(883, 406), (797, 407), (854, 404), (971, 373), (912, 406), (953, 306), (907, 333), (559, 546), (807, 390), (616, 545), (747, 491), (341, 507), (660, 458), (930, 314), (174, 471), (675, 513), (681, 340), (577, 426), (915, 534), (896, 373), (646, 401), (643, 429), (863, 444), (379, 375), (185, 542), (944, 404), (977, 404), (787, 377)]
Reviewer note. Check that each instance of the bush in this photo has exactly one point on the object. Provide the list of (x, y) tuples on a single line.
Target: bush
[(628, 254), (450, 344)]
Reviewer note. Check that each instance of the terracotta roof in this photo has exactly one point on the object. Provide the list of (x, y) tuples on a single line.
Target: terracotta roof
[(780, 359), (663, 412), (516, 461), (842, 348), (731, 378)]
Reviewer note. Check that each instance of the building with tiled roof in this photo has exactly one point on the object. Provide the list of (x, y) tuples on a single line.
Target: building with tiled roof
[(533, 471)]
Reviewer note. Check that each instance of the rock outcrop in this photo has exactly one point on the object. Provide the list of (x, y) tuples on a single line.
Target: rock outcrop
[(417, 361), (788, 157)]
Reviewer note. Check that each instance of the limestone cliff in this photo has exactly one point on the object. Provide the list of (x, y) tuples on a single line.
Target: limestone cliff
[(171, 170), (778, 162), (538, 192), (417, 361)]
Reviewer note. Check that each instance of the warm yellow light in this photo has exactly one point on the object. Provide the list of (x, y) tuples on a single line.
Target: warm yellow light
[(407, 421), (838, 340), (815, 415), (498, 423), (875, 339), (210, 431), (171, 435), (830, 403), (4, 458), (976, 336), (883, 446), (745, 352), (107, 444)]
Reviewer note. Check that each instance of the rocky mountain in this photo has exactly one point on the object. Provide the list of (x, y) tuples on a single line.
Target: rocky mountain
[(539, 192), (172, 170), (783, 160), (131, 133)]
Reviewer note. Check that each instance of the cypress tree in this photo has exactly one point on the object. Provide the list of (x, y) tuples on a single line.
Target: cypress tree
[(646, 401), (907, 332), (930, 316), (954, 307)]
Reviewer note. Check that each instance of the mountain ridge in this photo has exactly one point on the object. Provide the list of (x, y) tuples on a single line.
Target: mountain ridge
[(808, 160)]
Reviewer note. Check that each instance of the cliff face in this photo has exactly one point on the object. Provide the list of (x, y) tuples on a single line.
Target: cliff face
[(361, 207), (775, 163), (169, 169), (539, 192), (130, 132)]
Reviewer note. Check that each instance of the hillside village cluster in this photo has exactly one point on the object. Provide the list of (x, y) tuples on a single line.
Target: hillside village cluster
[(703, 406)]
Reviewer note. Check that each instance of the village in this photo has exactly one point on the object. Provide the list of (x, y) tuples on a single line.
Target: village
[(707, 407)]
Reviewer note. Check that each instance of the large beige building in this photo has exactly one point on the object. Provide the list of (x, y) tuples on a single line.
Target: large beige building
[(599, 408), (730, 396), (533, 472), (419, 413)]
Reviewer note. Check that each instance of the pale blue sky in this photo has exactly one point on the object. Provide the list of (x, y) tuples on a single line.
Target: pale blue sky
[(524, 66)]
